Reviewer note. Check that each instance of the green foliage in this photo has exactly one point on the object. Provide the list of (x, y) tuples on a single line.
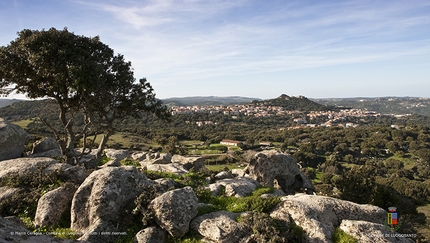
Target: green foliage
[(254, 202), (296, 234), (265, 229), (132, 162), (357, 185), (339, 236), (83, 76)]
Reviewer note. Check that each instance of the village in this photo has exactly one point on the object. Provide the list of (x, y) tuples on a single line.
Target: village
[(309, 119)]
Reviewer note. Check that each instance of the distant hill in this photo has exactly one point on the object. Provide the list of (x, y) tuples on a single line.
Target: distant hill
[(300, 103), (207, 100), (384, 105), (6, 102)]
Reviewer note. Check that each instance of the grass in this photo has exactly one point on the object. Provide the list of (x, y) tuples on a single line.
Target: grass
[(339, 236), (318, 177), (220, 167), (406, 159), (23, 123)]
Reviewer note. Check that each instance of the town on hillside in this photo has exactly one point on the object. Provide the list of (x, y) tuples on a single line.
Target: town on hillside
[(301, 118)]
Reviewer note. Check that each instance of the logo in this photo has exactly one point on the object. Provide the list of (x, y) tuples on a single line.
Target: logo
[(393, 221)]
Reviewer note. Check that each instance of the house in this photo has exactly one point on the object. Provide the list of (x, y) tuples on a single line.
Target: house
[(267, 144), (230, 142)]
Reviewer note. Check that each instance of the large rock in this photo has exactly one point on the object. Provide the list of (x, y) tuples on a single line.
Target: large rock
[(270, 167), (117, 155), (156, 158), (100, 203), (237, 187), (52, 205), (220, 227), (319, 215), (370, 232), (175, 168), (12, 140), (45, 145), (194, 163), (7, 192), (174, 210), (34, 170), (152, 234), (12, 230)]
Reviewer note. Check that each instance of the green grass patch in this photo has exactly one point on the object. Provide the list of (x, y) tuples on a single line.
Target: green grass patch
[(220, 167), (318, 177), (339, 236), (23, 123), (253, 203), (407, 160)]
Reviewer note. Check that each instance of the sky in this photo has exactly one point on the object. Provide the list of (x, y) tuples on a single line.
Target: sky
[(251, 48)]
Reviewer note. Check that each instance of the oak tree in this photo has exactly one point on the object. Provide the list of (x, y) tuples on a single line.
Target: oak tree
[(83, 76)]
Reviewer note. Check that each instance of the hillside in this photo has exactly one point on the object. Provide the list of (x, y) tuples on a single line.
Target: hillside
[(6, 102), (384, 105), (300, 103), (207, 100)]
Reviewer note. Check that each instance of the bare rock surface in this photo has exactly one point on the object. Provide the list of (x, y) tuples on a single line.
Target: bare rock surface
[(175, 168), (174, 210), (220, 227), (320, 215), (194, 163), (52, 205), (139, 156), (152, 234), (44, 145), (270, 167), (12, 140), (49, 153), (117, 154), (7, 192), (156, 158), (32, 168), (101, 200), (237, 187)]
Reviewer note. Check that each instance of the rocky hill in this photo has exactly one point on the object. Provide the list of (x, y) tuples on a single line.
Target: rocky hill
[(153, 197), (299, 103)]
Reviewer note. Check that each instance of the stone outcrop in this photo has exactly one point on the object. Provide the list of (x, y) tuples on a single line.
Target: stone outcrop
[(174, 210), (12, 230), (52, 205), (36, 169), (237, 187), (156, 158), (12, 140), (117, 155), (189, 163), (319, 215), (270, 167), (101, 200), (7, 192), (175, 168), (44, 145), (152, 234), (220, 227)]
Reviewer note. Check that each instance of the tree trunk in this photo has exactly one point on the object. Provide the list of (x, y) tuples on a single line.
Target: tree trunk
[(103, 142), (69, 151)]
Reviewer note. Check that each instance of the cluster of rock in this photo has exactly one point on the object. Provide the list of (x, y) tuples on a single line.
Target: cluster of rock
[(102, 202)]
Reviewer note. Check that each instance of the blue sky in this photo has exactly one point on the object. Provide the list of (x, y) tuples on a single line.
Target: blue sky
[(251, 48)]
